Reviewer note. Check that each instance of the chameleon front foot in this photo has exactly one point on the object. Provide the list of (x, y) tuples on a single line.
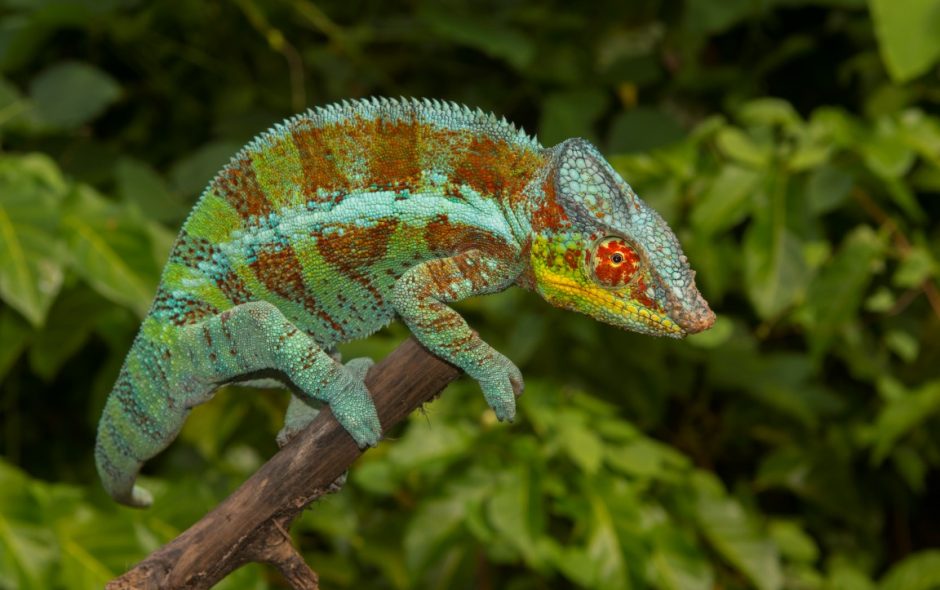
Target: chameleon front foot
[(502, 383)]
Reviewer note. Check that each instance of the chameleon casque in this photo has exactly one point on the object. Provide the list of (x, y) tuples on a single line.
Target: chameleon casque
[(337, 221)]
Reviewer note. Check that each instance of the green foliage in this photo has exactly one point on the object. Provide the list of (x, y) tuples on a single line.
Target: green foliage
[(795, 147), (908, 38)]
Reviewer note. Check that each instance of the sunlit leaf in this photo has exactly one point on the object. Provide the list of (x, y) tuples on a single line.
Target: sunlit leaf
[(735, 535), (901, 416), (31, 256), (775, 270), (580, 442), (729, 198), (510, 511), (920, 571), (739, 146), (110, 251), (793, 542), (679, 563), (604, 551), (907, 38), (768, 112), (916, 267)]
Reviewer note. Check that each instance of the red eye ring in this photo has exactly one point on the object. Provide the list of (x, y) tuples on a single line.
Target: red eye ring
[(615, 262)]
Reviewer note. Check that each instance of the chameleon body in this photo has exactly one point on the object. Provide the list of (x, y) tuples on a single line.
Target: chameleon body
[(339, 220)]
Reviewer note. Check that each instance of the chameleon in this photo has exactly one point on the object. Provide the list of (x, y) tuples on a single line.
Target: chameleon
[(339, 220)]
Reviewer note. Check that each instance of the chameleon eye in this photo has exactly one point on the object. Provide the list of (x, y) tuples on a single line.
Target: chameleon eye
[(614, 262)]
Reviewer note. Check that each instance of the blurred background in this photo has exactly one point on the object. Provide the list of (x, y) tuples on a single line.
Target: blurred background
[(794, 145)]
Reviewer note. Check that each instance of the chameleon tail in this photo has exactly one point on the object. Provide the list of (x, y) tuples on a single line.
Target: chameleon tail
[(139, 420), (116, 457)]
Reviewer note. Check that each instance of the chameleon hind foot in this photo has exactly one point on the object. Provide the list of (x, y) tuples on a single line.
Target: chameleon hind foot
[(299, 413)]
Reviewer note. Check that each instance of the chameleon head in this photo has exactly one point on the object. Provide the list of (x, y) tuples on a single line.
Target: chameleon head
[(610, 255)]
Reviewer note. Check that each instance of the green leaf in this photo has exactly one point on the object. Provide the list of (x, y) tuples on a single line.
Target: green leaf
[(903, 344), (845, 575), (715, 17), (911, 466), (770, 112), (678, 563), (425, 444), (642, 129), (741, 147), (31, 268), (901, 416), (140, 184), (604, 550), (110, 251), (28, 550), (827, 187), (72, 93), (793, 542), (646, 459), (16, 112), (809, 152), (886, 151), (834, 295), (71, 321), (431, 529), (735, 535), (513, 512), (571, 114), (580, 442), (920, 571), (492, 38), (907, 35), (775, 270), (728, 199), (14, 335), (916, 267), (191, 174)]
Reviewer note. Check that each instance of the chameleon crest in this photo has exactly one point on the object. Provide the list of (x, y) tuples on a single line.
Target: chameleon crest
[(339, 220)]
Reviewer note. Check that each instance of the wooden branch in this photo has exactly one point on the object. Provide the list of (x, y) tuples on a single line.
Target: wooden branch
[(252, 523)]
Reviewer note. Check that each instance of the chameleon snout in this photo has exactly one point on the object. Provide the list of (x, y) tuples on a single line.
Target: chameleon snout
[(694, 318)]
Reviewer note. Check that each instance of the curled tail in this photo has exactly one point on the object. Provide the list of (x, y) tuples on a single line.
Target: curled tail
[(140, 418), (115, 456)]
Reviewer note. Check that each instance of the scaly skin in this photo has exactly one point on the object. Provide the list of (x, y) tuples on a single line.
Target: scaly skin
[(330, 225)]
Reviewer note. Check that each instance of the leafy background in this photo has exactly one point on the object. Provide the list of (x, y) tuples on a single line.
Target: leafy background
[(793, 144)]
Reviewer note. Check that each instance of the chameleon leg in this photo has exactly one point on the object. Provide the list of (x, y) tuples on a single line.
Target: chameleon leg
[(151, 399), (420, 299), (256, 337), (300, 413)]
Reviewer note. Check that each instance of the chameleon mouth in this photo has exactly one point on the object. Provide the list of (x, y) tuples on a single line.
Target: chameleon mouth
[(695, 322), (605, 299), (692, 315)]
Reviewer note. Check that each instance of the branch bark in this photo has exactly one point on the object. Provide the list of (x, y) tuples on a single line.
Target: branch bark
[(252, 523)]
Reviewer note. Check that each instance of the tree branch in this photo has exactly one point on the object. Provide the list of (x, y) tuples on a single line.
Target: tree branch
[(252, 523)]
